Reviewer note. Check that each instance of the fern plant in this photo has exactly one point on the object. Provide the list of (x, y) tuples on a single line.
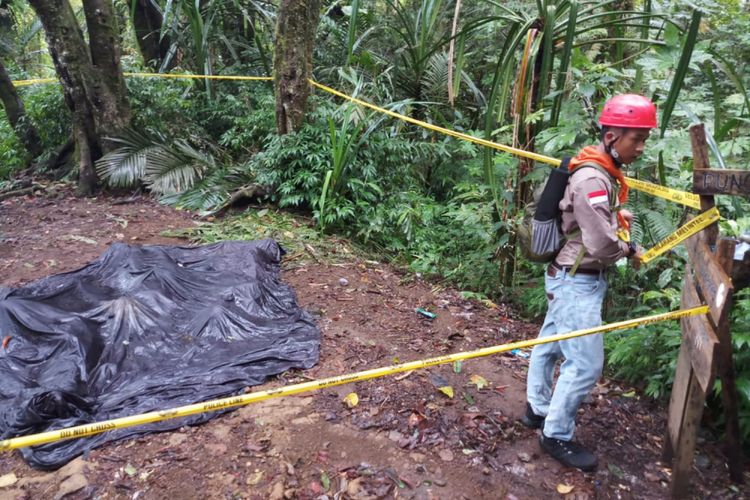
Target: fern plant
[(165, 167)]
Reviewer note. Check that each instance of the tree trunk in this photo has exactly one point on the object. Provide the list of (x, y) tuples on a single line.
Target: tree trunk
[(11, 102), (296, 25), (147, 22), (92, 81), (16, 114), (104, 46)]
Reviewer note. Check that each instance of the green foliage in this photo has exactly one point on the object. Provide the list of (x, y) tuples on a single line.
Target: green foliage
[(740, 328), (12, 152), (46, 109), (251, 125), (47, 112), (165, 167), (164, 105), (530, 295), (647, 356)]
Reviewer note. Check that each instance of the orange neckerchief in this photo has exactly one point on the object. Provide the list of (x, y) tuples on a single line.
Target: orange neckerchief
[(591, 153)]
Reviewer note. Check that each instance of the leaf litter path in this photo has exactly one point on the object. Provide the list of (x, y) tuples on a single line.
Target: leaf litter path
[(404, 439)]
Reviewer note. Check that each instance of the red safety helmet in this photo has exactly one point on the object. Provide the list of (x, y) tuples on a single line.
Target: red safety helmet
[(629, 111)]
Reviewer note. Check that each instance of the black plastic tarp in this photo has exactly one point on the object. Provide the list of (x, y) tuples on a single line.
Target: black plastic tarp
[(145, 328)]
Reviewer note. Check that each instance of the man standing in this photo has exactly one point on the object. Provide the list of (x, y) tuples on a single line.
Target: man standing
[(575, 281)]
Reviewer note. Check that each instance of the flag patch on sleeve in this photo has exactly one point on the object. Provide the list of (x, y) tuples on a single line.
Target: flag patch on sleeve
[(596, 197)]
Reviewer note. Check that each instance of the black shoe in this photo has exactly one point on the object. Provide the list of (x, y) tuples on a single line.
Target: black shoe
[(531, 419), (568, 453)]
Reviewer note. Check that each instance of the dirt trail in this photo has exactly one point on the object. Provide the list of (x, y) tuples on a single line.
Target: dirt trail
[(404, 439)]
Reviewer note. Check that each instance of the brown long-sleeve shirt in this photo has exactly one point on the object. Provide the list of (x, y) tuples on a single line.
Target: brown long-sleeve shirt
[(586, 206)]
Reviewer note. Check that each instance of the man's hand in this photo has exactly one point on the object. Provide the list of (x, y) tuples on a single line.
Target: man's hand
[(627, 215)]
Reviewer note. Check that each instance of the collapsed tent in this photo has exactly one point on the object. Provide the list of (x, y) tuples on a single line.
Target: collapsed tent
[(143, 329)]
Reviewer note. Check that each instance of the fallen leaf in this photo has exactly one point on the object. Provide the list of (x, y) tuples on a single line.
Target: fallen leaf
[(564, 489), (447, 390), (501, 388), (255, 478), (8, 480), (351, 400), (446, 455), (457, 365), (325, 481), (479, 381), (415, 419), (489, 304), (130, 470), (467, 397)]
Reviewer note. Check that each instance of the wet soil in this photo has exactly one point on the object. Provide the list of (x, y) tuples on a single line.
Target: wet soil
[(406, 438)]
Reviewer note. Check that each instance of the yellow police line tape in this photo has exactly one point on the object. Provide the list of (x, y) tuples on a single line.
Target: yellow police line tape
[(245, 399), (442, 130), (682, 197), (693, 226), (24, 83)]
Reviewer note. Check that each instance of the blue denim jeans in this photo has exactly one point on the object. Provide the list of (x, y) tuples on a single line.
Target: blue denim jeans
[(573, 303)]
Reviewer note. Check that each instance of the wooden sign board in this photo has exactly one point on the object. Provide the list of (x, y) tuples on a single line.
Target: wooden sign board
[(715, 285), (699, 337), (721, 181)]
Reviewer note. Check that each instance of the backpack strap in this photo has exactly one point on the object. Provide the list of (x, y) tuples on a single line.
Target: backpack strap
[(612, 206)]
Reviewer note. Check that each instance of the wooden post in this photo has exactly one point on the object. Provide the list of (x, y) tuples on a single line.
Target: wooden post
[(700, 162), (709, 182), (677, 400), (693, 379), (688, 433), (725, 365)]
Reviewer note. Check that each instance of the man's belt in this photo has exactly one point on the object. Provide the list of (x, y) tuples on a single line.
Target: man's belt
[(555, 268)]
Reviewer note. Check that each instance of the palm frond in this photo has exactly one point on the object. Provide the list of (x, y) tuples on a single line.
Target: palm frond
[(126, 166), (175, 168), (435, 78), (165, 167)]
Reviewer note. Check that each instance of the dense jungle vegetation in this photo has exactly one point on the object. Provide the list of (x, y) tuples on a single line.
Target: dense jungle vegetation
[(529, 74)]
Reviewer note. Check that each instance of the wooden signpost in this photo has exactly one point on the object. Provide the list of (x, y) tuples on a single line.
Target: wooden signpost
[(706, 349)]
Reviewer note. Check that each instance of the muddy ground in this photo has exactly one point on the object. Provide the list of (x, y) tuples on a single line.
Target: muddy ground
[(404, 439)]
